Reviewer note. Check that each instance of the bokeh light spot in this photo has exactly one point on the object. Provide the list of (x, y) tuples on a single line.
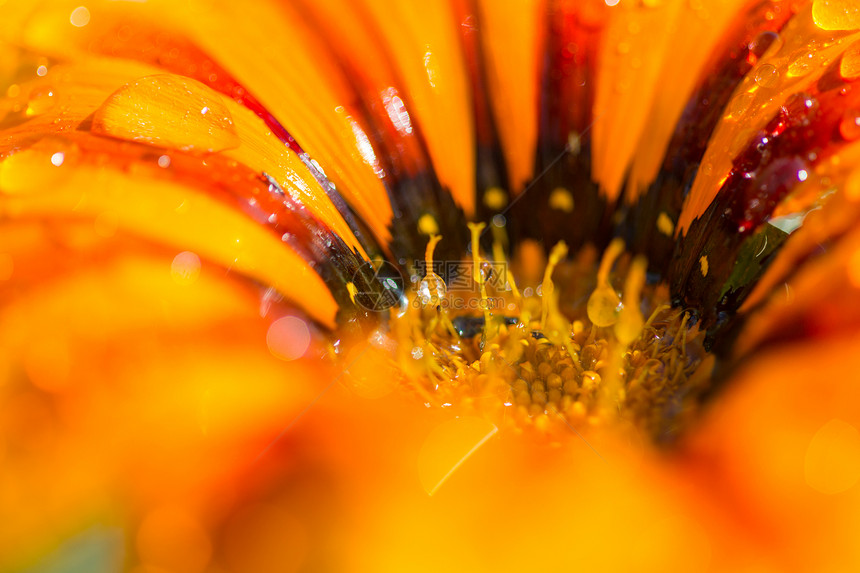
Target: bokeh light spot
[(185, 268), (288, 338), (80, 17)]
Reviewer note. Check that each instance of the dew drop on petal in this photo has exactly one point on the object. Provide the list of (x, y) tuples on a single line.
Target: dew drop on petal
[(740, 104), (801, 64), (832, 463), (167, 111), (432, 290), (288, 338), (765, 41), (164, 161), (849, 67), (836, 14), (185, 268), (767, 76)]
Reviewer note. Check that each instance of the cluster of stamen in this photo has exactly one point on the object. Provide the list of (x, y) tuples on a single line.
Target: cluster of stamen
[(547, 357)]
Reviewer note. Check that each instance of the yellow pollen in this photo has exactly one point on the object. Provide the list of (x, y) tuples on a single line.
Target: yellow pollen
[(427, 225), (495, 199), (541, 362), (665, 224), (703, 262), (561, 200)]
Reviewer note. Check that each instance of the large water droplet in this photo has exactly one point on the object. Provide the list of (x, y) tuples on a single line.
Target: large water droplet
[(168, 111), (767, 76), (836, 14), (432, 290), (740, 104), (849, 67), (767, 40)]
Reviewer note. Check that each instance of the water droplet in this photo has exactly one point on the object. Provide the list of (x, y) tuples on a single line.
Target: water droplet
[(767, 40), (80, 17), (432, 290), (42, 71), (849, 67), (740, 104), (836, 14), (849, 127), (167, 111), (164, 161), (767, 76), (288, 338), (41, 100), (58, 158), (801, 64)]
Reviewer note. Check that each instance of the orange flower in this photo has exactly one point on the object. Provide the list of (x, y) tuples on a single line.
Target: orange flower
[(209, 361)]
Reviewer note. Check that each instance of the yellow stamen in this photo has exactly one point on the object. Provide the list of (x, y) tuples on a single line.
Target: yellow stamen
[(603, 304)]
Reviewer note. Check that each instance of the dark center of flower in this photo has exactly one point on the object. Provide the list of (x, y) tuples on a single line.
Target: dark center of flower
[(551, 343)]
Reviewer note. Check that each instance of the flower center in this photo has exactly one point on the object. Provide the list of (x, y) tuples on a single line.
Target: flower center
[(549, 343)]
